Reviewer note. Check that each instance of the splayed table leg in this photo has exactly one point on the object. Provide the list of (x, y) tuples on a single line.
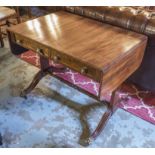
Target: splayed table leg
[(111, 108), (45, 67)]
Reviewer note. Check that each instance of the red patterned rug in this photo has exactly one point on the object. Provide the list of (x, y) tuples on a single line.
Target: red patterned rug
[(133, 99)]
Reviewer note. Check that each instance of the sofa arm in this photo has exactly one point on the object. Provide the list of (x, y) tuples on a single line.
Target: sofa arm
[(135, 19)]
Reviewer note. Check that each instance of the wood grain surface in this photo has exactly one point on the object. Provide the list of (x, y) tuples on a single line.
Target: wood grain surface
[(105, 53)]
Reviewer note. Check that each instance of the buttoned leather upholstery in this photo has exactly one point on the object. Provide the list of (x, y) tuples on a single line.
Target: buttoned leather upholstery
[(135, 19)]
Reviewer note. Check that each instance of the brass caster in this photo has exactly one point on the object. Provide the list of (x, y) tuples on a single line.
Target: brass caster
[(85, 142)]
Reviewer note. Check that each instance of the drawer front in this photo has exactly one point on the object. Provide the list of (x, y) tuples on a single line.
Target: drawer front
[(76, 65), (32, 45), (59, 57)]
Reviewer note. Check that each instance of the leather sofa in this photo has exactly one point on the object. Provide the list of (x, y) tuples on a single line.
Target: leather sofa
[(138, 19)]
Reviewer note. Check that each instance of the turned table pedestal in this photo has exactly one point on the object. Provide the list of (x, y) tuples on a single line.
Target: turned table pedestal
[(101, 52)]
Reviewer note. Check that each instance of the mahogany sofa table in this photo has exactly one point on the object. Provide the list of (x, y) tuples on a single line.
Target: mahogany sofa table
[(104, 53)]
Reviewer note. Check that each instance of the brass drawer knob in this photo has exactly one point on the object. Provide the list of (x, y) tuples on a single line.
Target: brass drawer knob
[(84, 70), (56, 58), (40, 51), (18, 41)]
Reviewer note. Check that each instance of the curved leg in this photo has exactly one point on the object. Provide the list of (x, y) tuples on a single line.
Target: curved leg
[(85, 141), (85, 130), (111, 108), (45, 68), (34, 82)]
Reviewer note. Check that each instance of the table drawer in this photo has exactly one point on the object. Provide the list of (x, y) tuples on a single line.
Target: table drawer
[(76, 65), (59, 57), (29, 44)]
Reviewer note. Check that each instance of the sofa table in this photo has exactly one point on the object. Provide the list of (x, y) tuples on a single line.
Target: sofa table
[(104, 53)]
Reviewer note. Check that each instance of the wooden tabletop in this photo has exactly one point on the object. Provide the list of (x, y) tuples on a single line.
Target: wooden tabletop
[(6, 12), (87, 40)]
